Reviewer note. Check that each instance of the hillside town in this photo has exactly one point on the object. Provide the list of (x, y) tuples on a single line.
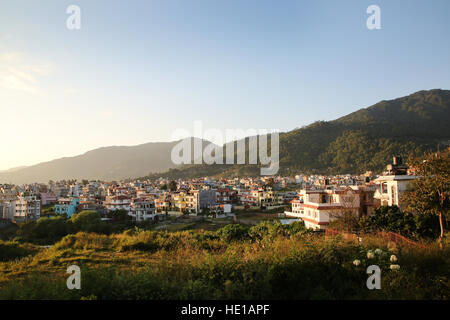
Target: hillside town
[(315, 199)]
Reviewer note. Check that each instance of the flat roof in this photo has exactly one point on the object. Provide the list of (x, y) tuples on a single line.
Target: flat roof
[(396, 178)]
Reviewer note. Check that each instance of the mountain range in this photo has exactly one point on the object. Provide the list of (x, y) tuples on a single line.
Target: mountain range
[(108, 163), (363, 140)]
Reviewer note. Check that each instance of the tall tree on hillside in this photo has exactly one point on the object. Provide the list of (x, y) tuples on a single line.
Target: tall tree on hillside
[(172, 186), (430, 193), (269, 183)]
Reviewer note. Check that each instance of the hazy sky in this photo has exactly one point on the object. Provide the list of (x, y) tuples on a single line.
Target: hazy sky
[(136, 70)]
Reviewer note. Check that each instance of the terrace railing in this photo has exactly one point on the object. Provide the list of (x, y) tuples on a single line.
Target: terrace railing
[(399, 239), (389, 236)]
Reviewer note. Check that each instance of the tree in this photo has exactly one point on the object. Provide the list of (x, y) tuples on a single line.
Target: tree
[(172, 186), (204, 212), (431, 191), (233, 232), (119, 215), (417, 226), (86, 220), (347, 218), (269, 183)]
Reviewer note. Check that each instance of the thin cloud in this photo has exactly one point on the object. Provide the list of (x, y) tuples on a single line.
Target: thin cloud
[(16, 74)]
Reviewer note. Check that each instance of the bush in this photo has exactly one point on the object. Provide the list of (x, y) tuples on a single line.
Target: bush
[(86, 220), (410, 225), (10, 250), (233, 232)]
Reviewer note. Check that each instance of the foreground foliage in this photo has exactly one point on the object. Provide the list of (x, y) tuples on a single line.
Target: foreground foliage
[(414, 226), (267, 261)]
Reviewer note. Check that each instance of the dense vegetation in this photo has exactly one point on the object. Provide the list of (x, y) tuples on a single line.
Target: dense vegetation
[(267, 261), (413, 226), (47, 230), (430, 193)]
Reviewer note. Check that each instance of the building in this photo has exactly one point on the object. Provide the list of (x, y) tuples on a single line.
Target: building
[(142, 210), (27, 208), (393, 183), (48, 198), (206, 199), (179, 201), (91, 205), (7, 210), (67, 206), (317, 208), (225, 195), (248, 198), (164, 202), (118, 203)]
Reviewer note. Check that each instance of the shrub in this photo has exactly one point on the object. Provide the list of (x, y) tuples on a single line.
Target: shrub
[(86, 220), (407, 224), (233, 232), (10, 250)]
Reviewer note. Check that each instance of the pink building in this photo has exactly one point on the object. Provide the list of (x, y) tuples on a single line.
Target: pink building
[(48, 198)]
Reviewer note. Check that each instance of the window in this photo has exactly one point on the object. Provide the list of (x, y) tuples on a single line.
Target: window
[(384, 188), (394, 196)]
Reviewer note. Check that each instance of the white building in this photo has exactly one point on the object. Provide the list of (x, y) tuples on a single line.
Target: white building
[(27, 208), (393, 184), (7, 210), (142, 210), (391, 189), (118, 203), (317, 208)]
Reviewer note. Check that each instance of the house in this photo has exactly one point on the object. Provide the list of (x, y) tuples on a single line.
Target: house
[(142, 209), (248, 198), (319, 207), (205, 199), (7, 210), (225, 195), (67, 206), (164, 202), (27, 208), (393, 183), (179, 201), (120, 202), (48, 198), (91, 205)]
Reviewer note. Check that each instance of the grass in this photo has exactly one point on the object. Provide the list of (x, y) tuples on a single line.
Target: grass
[(197, 264), (252, 218)]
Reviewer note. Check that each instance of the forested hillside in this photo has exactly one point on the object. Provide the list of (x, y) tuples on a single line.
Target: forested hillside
[(363, 140)]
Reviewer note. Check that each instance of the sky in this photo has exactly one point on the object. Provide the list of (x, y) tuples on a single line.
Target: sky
[(136, 71)]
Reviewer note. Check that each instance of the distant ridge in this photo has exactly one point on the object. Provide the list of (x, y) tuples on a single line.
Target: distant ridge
[(362, 140), (13, 169), (106, 163)]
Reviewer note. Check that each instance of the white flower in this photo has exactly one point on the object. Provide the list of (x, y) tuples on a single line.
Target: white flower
[(357, 262), (378, 251), (394, 267), (393, 258), (370, 254)]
